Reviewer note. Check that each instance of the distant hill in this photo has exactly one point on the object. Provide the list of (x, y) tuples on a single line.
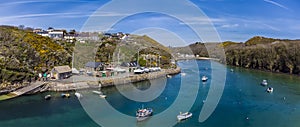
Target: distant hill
[(275, 55), (260, 40), (197, 48), (23, 53)]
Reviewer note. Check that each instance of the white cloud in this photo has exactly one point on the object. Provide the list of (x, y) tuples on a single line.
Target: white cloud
[(230, 25), (201, 20), (276, 4), (109, 14), (19, 17)]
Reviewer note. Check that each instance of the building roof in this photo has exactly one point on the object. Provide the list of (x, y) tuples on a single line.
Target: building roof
[(93, 64), (63, 69)]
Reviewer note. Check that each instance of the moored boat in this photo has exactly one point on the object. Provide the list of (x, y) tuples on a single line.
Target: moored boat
[(143, 114), (78, 95), (65, 95), (97, 92), (47, 97), (184, 116), (204, 78), (264, 83), (169, 76), (270, 89), (102, 96)]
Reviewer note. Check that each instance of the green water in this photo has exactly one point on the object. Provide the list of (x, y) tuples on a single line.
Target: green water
[(243, 98)]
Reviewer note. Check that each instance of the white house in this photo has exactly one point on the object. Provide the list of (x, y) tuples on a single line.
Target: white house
[(57, 34)]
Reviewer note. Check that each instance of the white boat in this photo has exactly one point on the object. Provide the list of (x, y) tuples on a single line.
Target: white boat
[(102, 96), (138, 71), (183, 116), (183, 74), (204, 78), (264, 83), (169, 76), (78, 95), (47, 97), (65, 95), (270, 89), (143, 114), (97, 92)]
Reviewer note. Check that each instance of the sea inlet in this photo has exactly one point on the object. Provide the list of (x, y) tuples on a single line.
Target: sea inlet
[(244, 102)]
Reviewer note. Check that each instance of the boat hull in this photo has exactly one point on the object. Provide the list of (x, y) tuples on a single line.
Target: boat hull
[(184, 116)]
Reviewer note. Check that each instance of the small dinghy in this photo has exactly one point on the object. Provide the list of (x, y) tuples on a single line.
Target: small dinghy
[(78, 95), (184, 116), (270, 90), (102, 96), (65, 95), (47, 97), (264, 83), (97, 92), (204, 78)]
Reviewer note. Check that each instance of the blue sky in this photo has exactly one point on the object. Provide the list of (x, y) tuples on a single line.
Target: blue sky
[(235, 20)]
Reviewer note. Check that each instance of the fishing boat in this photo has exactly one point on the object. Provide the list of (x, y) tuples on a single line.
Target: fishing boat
[(204, 78), (169, 76), (65, 95), (78, 95), (264, 83), (184, 116), (183, 74), (270, 89), (143, 114), (47, 97)]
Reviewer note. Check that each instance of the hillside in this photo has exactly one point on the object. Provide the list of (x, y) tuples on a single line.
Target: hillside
[(128, 49), (23, 54), (267, 54), (275, 55)]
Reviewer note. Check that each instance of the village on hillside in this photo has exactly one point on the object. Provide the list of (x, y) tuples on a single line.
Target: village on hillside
[(95, 68)]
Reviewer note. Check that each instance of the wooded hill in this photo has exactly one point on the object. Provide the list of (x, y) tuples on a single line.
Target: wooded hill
[(268, 54)]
